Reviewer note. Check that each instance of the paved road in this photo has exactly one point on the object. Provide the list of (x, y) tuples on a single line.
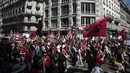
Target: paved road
[(106, 68)]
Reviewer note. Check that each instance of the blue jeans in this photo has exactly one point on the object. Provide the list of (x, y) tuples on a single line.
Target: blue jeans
[(96, 69)]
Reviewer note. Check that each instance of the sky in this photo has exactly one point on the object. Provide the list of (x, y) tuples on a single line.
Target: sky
[(127, 2)]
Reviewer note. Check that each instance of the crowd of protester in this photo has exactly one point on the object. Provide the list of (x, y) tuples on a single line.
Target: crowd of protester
[(52, 54)]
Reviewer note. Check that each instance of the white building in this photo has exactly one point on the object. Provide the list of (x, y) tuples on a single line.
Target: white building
[(21, 15), (125, 16), (61, 14), (111, 9)]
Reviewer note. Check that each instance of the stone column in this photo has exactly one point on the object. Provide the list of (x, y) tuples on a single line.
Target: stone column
[(43, 16), (78, 14), (70, 13), (99, 9), (49, 14), (59, 14)]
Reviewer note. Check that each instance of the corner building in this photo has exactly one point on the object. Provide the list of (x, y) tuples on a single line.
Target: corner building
[(21, 15), (62, 14)]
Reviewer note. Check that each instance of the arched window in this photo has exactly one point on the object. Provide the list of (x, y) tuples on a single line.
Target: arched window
[(37, 18), (29, 5), (29, 18), (38, 7), (16, 11), (22, 9), (19, 9)]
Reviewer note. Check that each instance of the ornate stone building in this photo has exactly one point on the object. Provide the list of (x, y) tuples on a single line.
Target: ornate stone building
[(124, 16), (21, 15), (62, 14)]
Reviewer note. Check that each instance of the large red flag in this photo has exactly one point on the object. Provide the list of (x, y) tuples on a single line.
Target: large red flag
[(33, 34), (96, 29), (123, 34)]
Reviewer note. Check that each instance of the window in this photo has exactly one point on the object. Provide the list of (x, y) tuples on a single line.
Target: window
[(107, 11), (87, 20), (46, 2), (37, 18), (46, 14), (29, 18), (104, 10), (37, 8), (65, 9), (46, 24), (74, 7), (74, 21), (29, 7), (107, 2), (93, 8), (54, 12), (82, 8), (82, 21), (104, 2), (19, 10), (22, 9), (87, 7), (65, 22), (54, 23), (16, 11)]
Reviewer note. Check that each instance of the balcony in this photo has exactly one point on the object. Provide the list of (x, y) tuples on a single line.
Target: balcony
[(109, 16), (117, 21)]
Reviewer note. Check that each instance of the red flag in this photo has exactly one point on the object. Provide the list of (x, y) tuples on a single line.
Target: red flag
[(49, 33), (8, 34), (96, 29), (58, 34), (69, 34), (33, 34), (52, 34), (123, 34)]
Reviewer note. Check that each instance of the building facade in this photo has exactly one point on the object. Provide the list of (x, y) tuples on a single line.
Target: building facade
[(111, 10), (62, 14), (124, 16), (21, 15), (0, 18)]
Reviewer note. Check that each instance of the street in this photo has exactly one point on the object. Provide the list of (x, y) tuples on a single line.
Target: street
[(106, 68)]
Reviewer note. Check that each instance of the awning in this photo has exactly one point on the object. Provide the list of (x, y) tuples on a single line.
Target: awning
[(112, 31)]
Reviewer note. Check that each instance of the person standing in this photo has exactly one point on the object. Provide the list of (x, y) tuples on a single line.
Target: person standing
[(98, 60), (48, 63)]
